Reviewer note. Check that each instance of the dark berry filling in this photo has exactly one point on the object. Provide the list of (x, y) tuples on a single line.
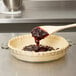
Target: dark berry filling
[(39, 48), (38, 34)]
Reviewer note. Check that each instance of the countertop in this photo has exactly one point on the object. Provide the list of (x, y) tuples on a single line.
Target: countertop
[(43, 12), (10, 66)]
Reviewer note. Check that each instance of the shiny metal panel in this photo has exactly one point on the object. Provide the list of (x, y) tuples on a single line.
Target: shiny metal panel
[(66, 66), (43, 12)]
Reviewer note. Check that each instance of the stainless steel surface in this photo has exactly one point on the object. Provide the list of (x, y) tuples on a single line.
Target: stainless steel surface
[(43, 12), (26, 27), (53, 0), (13, 5), (66, 66)]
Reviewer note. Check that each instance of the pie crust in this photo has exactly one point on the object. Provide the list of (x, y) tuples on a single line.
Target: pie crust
[(18, 43)]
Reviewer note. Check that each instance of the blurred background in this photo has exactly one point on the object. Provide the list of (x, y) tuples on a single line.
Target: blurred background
[(38, 12)]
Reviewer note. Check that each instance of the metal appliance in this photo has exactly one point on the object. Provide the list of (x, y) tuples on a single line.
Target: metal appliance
[(11, 6)]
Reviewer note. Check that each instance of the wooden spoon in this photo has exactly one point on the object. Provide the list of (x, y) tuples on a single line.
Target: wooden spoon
[(53, 29)]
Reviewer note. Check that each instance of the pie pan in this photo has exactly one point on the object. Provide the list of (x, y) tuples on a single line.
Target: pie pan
[(59, 43)]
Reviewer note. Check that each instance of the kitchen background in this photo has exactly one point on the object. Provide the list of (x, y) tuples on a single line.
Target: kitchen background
[(40, 12), (35, 13)]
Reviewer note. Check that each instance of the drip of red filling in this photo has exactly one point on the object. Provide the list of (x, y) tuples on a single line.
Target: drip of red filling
[(38, 34)]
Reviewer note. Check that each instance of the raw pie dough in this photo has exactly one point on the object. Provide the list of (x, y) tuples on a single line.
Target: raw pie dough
[(17, 43)]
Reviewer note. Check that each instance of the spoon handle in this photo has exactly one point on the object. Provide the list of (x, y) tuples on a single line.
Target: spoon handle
[(53, 29), (59, 28), (68, 26)]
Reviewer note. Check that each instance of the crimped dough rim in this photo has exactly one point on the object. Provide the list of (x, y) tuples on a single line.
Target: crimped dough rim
[(33, 53)]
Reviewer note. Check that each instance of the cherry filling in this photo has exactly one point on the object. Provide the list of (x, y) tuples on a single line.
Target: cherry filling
[(38, 34), (39, 48)]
